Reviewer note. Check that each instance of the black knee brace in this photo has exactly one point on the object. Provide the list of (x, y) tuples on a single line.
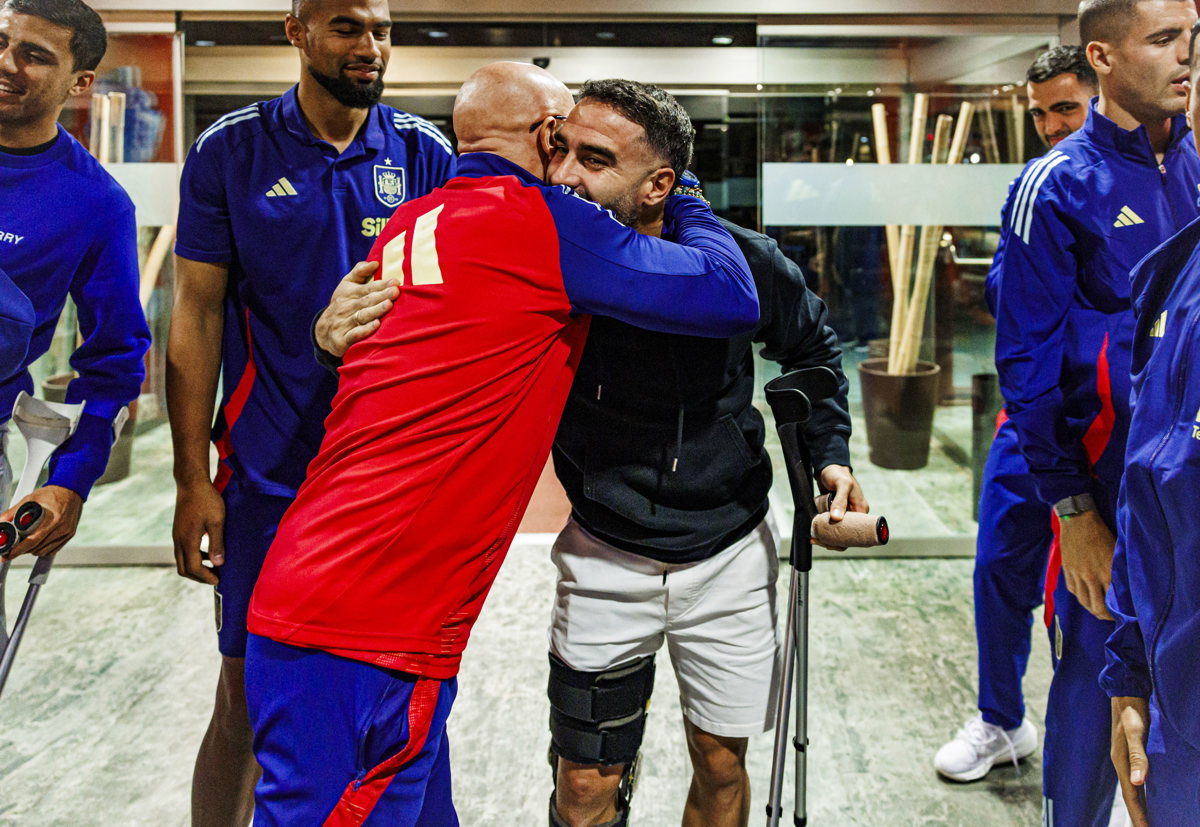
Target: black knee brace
[(599, 717)]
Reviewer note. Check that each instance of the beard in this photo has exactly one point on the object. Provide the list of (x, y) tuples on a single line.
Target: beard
[(625, 209), (348, 92)]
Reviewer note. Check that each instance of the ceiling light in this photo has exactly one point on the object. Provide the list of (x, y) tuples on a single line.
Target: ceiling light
[(437, 34), (722, 40), (205, 43), (606, 35)]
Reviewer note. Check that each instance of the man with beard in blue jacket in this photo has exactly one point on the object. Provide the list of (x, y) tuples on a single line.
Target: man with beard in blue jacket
[(1154, 653), (1083, 216)]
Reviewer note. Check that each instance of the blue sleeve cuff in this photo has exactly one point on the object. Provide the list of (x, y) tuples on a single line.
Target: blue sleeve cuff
[(1118, 681), (81, 460), (1056, 486)]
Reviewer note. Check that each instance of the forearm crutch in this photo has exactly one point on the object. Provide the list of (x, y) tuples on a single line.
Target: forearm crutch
[(45, 426), (791, 397)]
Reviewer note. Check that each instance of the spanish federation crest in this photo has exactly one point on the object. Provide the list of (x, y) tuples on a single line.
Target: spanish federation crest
[(389, 184)]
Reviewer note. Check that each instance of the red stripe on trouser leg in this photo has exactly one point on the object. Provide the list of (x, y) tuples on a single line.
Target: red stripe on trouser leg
[(1100, 431), (1001, 418), (1053, 568), (1094, 442), (360, 798)]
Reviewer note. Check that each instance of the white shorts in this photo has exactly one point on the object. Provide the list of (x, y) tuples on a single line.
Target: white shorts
[(717, 617)]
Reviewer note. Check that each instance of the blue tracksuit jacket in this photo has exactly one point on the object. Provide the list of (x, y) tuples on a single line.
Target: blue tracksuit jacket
[(67, 229), (1155, 593), (1083, 215)]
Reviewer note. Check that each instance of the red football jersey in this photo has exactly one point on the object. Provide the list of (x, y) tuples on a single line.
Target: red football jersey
[(444, 417)]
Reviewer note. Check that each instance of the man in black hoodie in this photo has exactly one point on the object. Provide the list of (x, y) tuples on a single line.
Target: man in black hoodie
[(661, 454), (660, 451)]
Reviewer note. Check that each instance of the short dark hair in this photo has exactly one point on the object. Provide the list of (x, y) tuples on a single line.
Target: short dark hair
[(669, 130), (89, 40), (1062, 60), (1106, 20)]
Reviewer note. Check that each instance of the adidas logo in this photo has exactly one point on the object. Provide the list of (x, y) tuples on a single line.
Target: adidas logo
[(284, 187), (1127, 218), (1160, 326)]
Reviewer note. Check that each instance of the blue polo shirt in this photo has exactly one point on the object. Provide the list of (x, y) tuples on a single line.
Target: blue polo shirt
[(290, 216)]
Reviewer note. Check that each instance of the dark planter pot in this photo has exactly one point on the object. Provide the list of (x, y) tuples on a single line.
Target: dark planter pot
[(54, 389), (899, 413)]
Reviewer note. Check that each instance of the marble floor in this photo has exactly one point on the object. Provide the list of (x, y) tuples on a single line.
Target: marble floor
[(112, 689)]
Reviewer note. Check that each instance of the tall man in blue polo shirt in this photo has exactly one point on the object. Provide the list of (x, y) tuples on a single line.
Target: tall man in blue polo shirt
[(278, 200)]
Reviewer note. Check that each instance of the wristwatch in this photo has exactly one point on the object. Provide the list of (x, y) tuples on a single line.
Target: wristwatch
[(1070, 506)]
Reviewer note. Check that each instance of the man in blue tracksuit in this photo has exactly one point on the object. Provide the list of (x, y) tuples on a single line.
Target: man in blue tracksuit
[(1153, 655), (1084, 215), (1014, 524), (49, 50)]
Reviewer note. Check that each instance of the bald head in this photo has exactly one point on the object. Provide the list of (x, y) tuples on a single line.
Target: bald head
[(497, 106)]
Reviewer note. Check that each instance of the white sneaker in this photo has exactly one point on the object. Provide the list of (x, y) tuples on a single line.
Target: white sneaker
[(979, 745)]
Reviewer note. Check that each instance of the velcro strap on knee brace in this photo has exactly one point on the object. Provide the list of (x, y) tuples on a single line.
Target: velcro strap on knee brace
[(600, 696), (599, 717), (612, 742)]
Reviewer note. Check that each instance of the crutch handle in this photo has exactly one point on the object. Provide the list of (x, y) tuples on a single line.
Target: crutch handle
[(28, 517), (822, 502), (855, 530), (9, 537)]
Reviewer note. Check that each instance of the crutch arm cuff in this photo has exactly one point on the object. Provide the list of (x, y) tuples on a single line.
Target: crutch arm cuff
[(82, 458)]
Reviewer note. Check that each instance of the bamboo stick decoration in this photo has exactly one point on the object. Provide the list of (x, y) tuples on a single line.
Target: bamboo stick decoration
[(96, 117), (962, 133), (883, 155), (1018, 116), (916, 147), (116, 102), (154, 262), (991, 146), (914, 323), (898, 359), (104, 148)]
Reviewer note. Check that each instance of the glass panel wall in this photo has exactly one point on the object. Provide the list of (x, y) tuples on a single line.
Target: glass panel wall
[(798, 162), (829, 202)]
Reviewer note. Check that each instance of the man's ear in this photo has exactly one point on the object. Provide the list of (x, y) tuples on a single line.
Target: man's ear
[(294, 29), (82, 83), (546, 135), (1099, 55), (1191, 91), (658, 186)]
